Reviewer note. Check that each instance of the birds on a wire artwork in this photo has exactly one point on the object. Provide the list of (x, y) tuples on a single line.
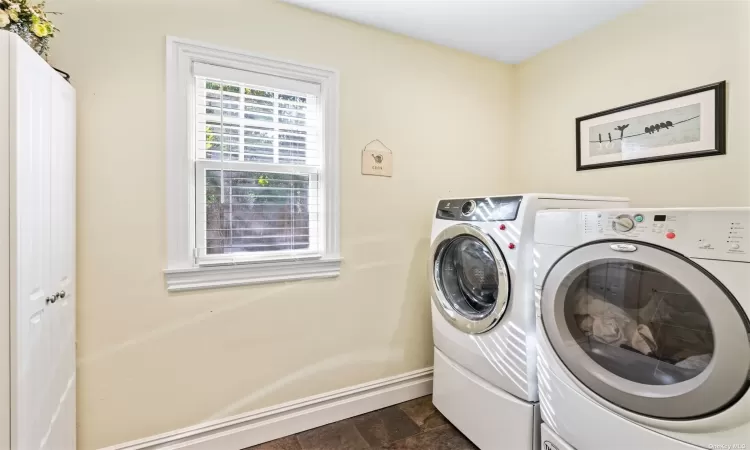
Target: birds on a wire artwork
[(651, 129), (659, 126)]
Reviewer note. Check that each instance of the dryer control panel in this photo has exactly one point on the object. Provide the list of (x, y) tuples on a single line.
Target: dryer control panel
[(484, 209), (717, 233), (711, 233), (720, 236)]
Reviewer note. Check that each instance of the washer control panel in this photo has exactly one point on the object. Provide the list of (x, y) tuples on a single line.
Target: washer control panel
[(720, 233), (484, 209)]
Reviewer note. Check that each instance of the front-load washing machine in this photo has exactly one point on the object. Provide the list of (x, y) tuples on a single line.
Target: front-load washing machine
[(643, 328), (481, 277)]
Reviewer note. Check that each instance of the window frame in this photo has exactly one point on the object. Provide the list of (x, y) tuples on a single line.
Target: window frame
[(183, 271)]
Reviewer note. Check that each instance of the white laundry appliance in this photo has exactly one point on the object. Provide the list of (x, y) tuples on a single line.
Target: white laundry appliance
[(643, 328), (481, 278)]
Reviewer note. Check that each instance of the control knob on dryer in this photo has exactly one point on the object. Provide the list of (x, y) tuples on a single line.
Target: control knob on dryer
[(623, 223)]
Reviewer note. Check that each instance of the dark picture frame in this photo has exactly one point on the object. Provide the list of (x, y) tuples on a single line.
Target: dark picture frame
[(586, 143)]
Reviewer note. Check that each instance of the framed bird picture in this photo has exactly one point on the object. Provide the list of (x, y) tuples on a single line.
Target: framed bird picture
[(686, 124)]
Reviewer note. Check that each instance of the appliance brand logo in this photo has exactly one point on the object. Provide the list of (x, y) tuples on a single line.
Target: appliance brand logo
[(623, 247), (549, 446)]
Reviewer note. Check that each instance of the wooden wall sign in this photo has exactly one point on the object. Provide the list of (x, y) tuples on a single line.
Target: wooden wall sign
[(377, 159)]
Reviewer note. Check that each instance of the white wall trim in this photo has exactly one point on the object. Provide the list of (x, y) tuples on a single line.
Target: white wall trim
[(181, 56), (250, 273), (266, 424)]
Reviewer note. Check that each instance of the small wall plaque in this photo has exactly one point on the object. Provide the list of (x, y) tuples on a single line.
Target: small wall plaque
[(377, 159)]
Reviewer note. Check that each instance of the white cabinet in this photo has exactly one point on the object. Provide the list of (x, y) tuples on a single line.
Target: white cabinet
[(38, 159)]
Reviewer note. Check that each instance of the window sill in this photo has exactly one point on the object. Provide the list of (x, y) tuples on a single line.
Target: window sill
[(208, 277)]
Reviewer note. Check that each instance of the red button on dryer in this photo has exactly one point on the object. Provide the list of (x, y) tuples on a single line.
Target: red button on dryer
[(511, 246), (670, 235), (502, 226)]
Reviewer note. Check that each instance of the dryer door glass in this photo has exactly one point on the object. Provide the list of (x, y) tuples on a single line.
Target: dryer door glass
[(638, 323), (469, 277), (646, 329)]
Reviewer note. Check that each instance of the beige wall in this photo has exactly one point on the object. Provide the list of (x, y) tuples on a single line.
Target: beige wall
[(150, 362), (661, 48)]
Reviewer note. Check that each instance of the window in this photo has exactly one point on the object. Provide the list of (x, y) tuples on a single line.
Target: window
[(252, 169), (257, 167)]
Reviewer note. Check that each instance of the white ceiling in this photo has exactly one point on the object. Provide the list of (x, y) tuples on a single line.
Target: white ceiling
[(505, 30)]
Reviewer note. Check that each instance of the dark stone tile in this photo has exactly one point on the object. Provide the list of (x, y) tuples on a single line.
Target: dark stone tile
[(423, 413), (285, 443), (336, 436), (445, 437), (385, 425)]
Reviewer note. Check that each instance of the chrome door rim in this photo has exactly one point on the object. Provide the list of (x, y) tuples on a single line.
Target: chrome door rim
[(717, 387), (450, 314)]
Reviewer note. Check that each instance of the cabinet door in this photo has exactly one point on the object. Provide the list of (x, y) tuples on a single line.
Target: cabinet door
[(32, 386), (62, 264)]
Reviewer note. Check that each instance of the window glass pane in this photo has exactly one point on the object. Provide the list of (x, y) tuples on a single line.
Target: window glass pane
[(638, 323), (249, 209), (292, 146), (260, 212), (238, 122)]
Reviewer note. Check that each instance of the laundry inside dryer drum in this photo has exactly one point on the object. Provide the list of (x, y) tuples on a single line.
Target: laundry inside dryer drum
[(469, 277), (638, 323)]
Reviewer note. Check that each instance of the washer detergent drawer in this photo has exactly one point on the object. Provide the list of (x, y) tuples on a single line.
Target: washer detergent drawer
[(551, 441), (491, 418)]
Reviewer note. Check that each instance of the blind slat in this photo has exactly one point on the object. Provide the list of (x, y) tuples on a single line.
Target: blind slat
[(241, 102), (248, 123), (264, 129), (266, 246), (263, 216), (263, 236), (270, 118), (250, 229), (257, 188), (310, 142), (246, 144), (254, 123), (259, 81), (310, 102)]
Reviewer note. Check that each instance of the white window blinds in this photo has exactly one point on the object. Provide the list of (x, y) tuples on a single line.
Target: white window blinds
[(258, 166)]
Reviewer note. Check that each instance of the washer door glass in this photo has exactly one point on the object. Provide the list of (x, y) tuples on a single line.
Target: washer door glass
[(468, 274), (638, 322), (470, 284)]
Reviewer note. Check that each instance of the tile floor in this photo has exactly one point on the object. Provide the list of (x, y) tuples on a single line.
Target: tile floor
[(414, 425)]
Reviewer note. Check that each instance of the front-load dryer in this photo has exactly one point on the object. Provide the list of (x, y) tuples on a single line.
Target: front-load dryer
[(643, 328), (481, 277)]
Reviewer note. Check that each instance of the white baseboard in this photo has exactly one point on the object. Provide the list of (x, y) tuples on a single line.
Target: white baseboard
[(255, 427)]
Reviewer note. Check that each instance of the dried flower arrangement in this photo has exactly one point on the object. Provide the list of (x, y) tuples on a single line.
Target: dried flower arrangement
[(28, 21)]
